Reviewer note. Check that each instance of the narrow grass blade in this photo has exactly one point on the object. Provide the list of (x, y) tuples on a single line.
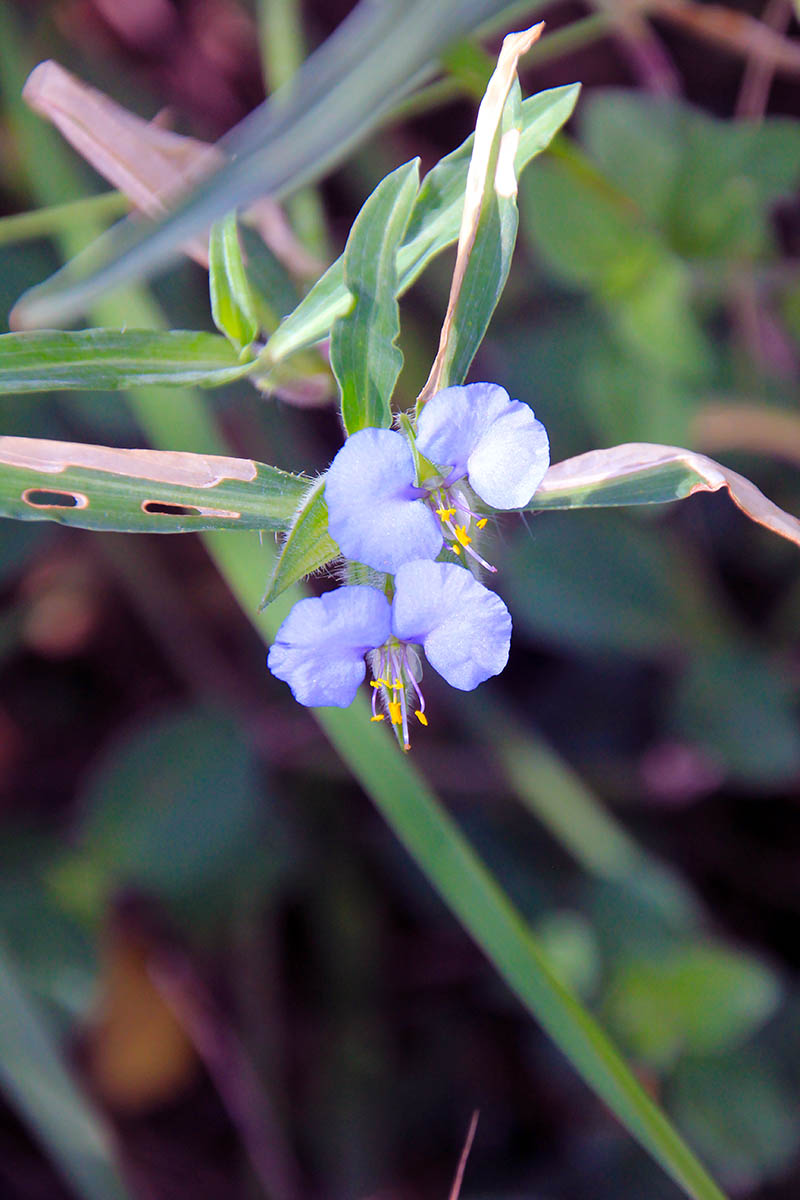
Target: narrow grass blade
[(142, 491), (364, 357), (341, 93), (645, 473), (50, 360), (33, 1074)]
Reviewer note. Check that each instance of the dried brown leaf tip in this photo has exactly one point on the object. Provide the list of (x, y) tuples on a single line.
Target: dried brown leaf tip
[(504, 181), (151, 165)]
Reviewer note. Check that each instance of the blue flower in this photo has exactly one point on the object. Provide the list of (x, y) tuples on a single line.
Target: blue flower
[(381, 515), (464, 629), (496, 442), (375, 513), (319, 649)]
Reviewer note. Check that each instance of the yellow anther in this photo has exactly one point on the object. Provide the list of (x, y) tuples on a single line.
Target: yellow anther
[(455, 548), (482, 522), (398, 683), (445, 513), (378, 717), (394, 712), (420, 715), (462, 535)]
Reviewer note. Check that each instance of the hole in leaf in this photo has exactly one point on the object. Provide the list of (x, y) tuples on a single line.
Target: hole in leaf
[(159, 508), (168, 510), (39, 498)]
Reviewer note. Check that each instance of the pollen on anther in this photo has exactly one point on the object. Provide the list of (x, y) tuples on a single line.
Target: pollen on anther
[(462, 535), (395, 712), (378, 717), (482, 522), (420, 715)]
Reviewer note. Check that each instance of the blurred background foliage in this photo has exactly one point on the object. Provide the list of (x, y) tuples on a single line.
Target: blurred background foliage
[(250, 978)]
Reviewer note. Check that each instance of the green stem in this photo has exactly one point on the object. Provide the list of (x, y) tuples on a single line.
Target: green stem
[(56, 218)]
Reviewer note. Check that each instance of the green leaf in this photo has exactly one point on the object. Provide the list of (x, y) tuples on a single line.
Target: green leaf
[(33, 1074), (308, 545), (364, 357), (741, 708), (341, 93), (741, 1112), (433, 225), (176, 808), (142, 491), (232, 304), (110, 359), (271, 287), (695, 999), (598, 582), (618, 256)]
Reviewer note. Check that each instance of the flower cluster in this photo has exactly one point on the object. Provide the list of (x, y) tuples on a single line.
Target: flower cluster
[(395, 501)]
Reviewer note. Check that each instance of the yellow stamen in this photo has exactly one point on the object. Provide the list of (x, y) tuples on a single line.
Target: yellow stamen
[(395, 713), (455, 548), (397, 683), (445, 513), (420, 715), (378, 717), (462, 535), (482, 522)]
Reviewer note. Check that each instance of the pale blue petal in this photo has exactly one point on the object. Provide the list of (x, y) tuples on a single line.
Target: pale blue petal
[(454, 420), (374, 514), (319, 649), (509, 461), (478, 431), (464, 628)]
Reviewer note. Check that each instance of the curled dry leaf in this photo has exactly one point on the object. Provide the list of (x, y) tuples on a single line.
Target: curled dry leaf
[(645, 472), (151, 165), (487, 125)]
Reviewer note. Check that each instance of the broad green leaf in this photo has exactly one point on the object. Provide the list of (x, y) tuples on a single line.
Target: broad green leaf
[(341, 93), (645, 473), (488, 229), (364, 357), (740, 707), (110, 359), (623, 261), (599, 582), (142, 491), (177, 808), (433, 225), (271, 287), (232, 304), (706, 184), (307, 547), (695, 999), (740, 1109), (34, 1075)]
